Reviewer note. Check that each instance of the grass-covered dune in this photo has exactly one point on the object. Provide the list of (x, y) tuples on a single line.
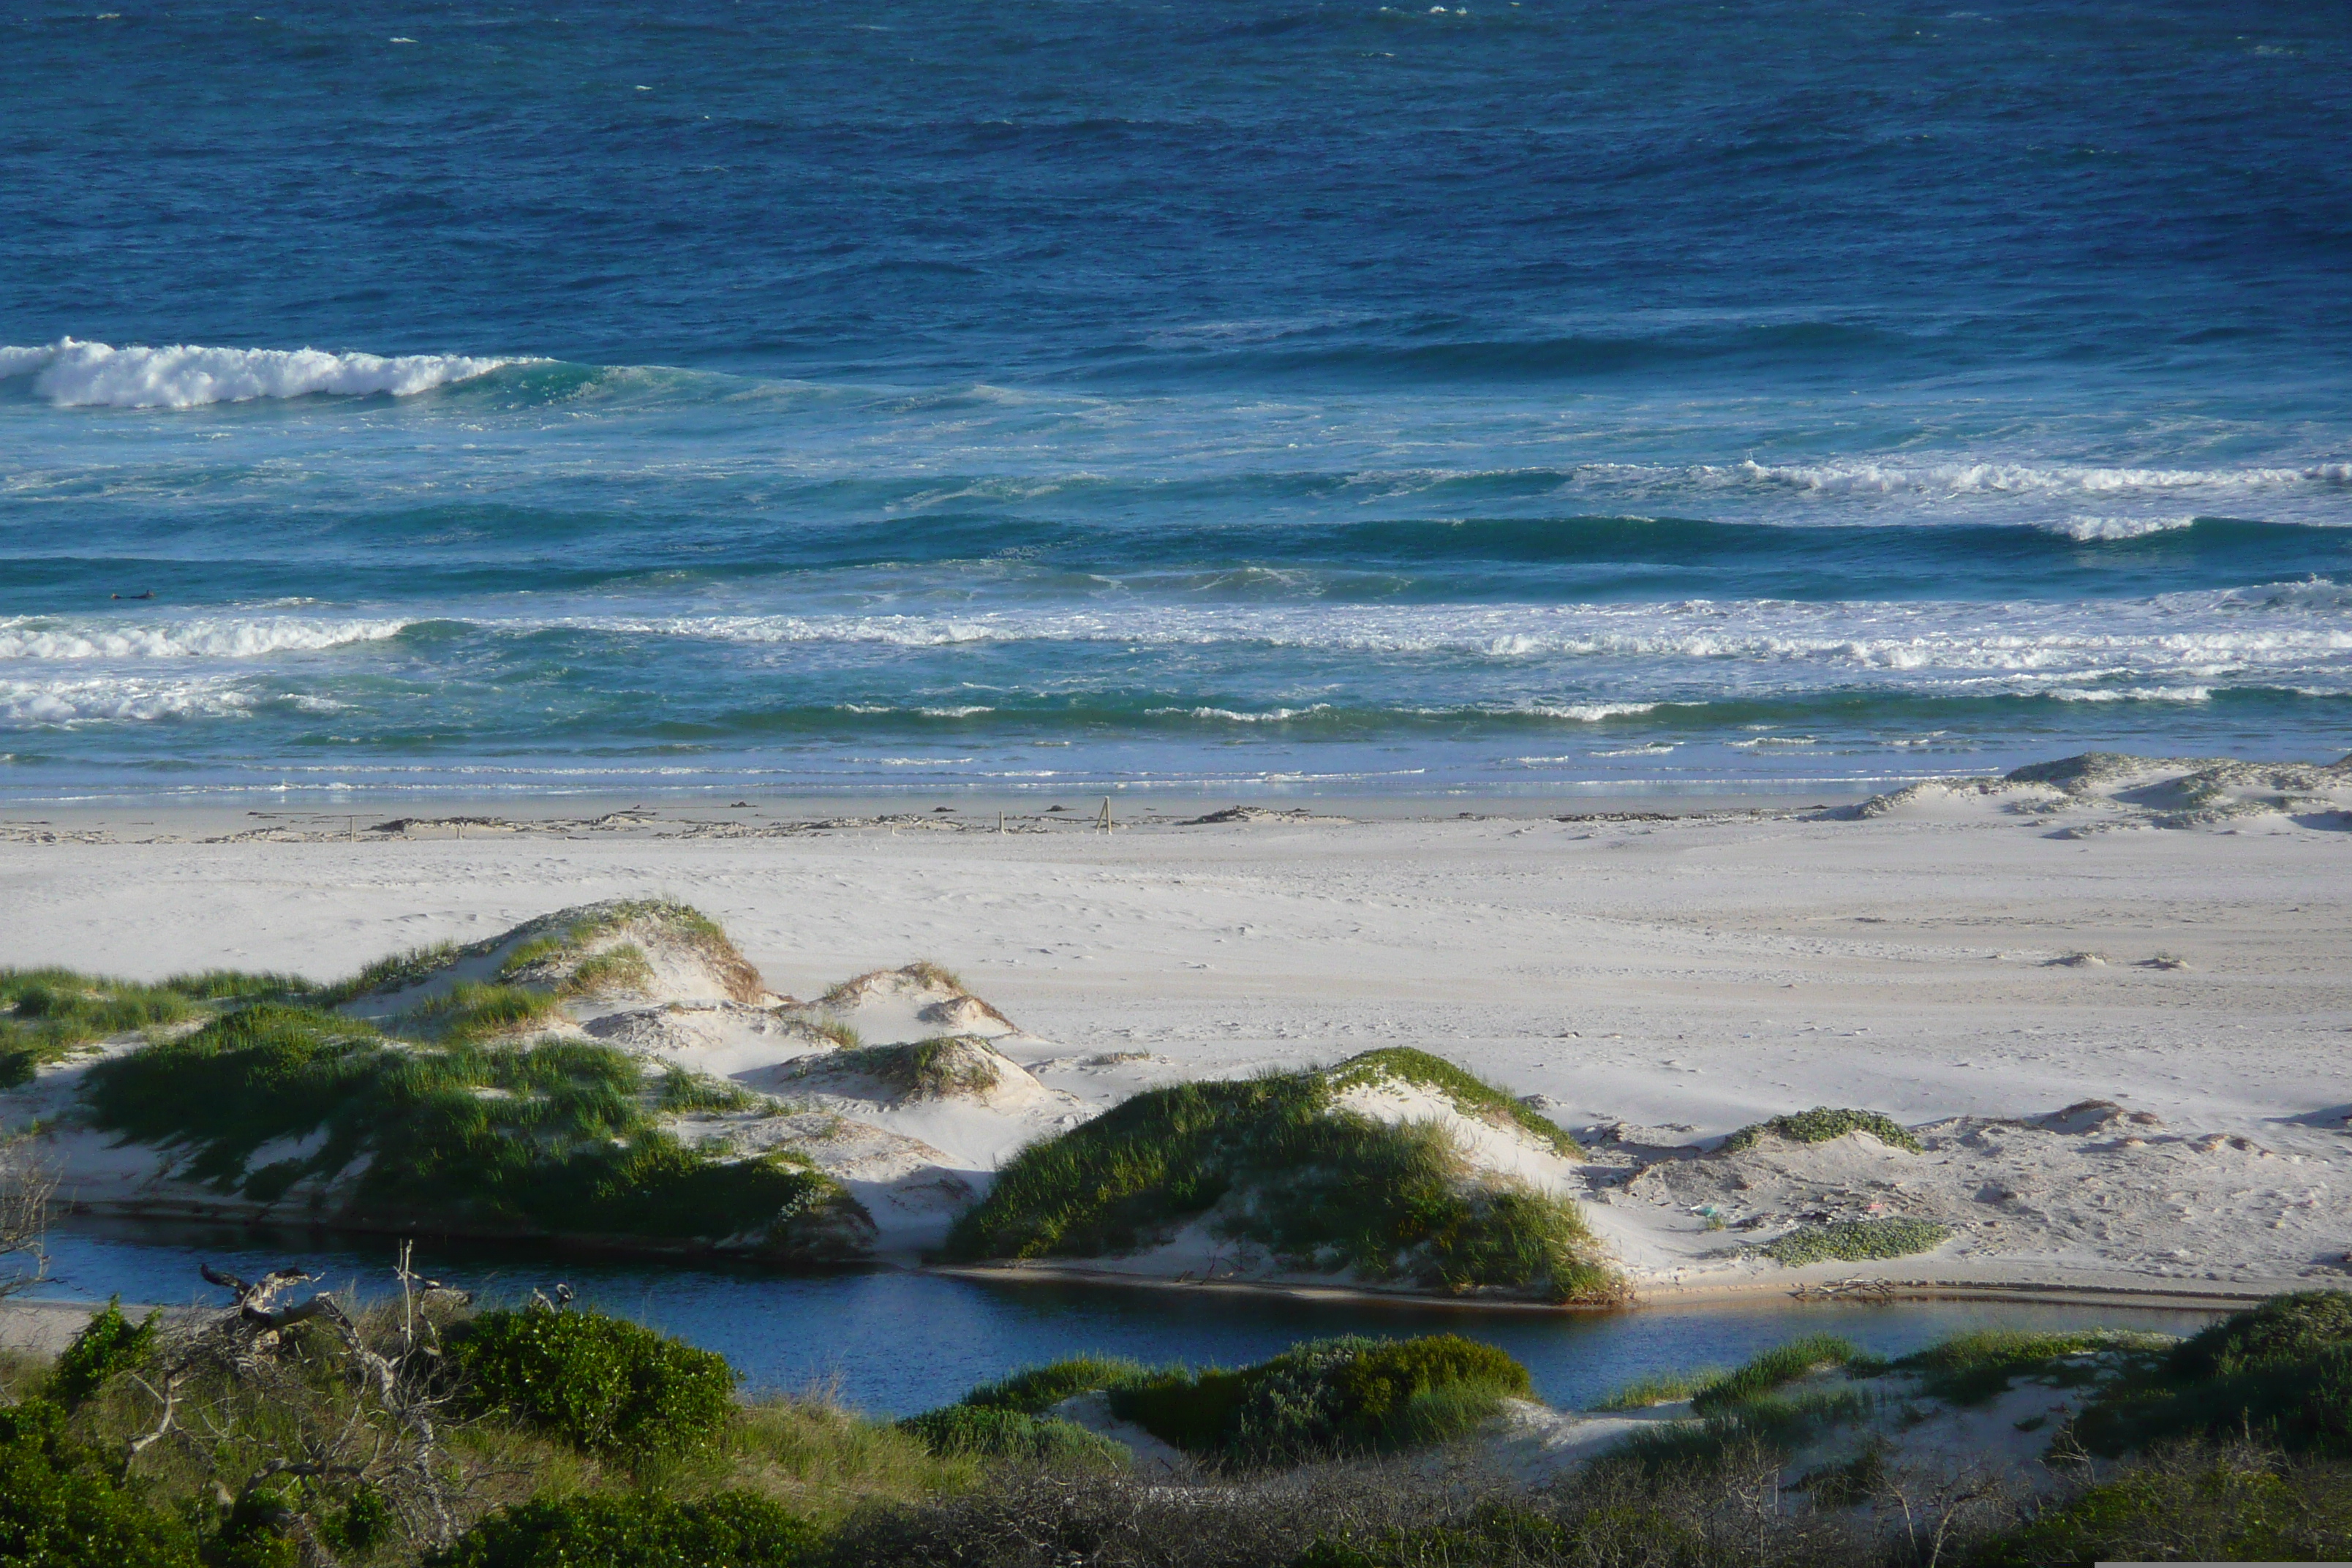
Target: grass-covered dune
[(557, 1137), (1284, 1161)]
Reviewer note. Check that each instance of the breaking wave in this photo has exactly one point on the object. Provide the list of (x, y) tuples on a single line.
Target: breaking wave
[(74, 373), (210, 638)]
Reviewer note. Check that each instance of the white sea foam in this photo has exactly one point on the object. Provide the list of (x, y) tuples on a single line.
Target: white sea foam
[(1234, 716), (2101, 529), (1867, 478), (2130, 693), (222, 638), (71, 373), (39, 703)]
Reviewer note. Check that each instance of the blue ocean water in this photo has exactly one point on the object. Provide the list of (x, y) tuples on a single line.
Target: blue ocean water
[(1237, 396)]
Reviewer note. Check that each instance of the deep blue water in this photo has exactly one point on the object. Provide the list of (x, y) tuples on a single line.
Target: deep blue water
[(893, 1343), (1243, 395)]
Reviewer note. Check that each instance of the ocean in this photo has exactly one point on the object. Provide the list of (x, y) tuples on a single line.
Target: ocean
[(1237, 397)]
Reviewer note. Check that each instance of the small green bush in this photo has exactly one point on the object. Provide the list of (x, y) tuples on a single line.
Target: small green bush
[(1823, 1123), (1038, 1389), (108, 1343), (728, 1529), (61, 1506), (2279, 1372), (2232, 1506), (1004, 1434), (2283, 1329), (605, 1384), (1351, 1395), (1856, 1241)]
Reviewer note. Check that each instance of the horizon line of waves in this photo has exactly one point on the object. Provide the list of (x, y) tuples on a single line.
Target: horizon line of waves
[(74, 373), (28, 637), (1868, 477)]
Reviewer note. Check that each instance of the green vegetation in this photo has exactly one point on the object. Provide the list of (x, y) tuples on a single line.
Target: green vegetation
[(843, 1035), (2279, 1372), (1472, 1095), (1659, 1388), (1775, 1369), (1326, 1397), (601, 1384), (639, 1530), (63, 1504), (471, 1010), (1972, 1368), (237, 985), (1823, 1123), (2238, 1505), (46, 1013), (557, 1136), (1855, 1240), (996, 1433), (108, 1343), (1037, 1389), (1279, 1166), (926, 1069), (396, 972)]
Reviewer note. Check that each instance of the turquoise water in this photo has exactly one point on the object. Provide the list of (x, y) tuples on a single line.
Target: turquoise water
[(1520, 395), (893, 1344)]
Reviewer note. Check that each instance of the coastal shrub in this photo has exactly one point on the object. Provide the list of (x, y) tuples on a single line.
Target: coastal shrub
[(642, 1529), (1855, 1240), (603, 1383), (63, 1506), (109, 1344), (1321, 1188), (559, 1136), (2281, 1373), (1473, 1095), (1037, 1389), (1004, 1433), (1351, 1395), (2239, 1504), (1775, 1369), (2298, 1327), (1823, 1123)]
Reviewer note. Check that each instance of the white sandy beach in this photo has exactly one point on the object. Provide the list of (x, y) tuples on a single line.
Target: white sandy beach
[(1996, 955)]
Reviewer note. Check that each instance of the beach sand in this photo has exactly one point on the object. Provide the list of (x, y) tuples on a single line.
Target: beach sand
[(1659, 979)]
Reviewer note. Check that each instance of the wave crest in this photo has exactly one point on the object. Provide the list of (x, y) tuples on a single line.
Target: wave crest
[(188, 639), (71, 373)]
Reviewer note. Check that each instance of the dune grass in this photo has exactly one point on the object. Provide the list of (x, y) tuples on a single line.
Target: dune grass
[(994, 1433), (1660, 1388), (1037, 1389), (2280, 1374), (559, 1136), (1473, 1095), (473, 1011), (46, 1014), (1823, 1123), (1322, 1188), (1776, 1369), (1856, 1241), (925, 1069), (1972, 1368)]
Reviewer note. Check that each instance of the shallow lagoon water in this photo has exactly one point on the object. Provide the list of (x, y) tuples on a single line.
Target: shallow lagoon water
[(894, 1343)]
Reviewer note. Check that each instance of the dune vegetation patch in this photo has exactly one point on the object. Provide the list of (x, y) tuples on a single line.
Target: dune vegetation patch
[(558, 1137), (996, 1433), (1856, 1241), (1472, 1095), (1823, 1123), (2280, 1374), (473, 1011), (940, 1068), (1272, 1161), (1320, 1400), (46, 1013)]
